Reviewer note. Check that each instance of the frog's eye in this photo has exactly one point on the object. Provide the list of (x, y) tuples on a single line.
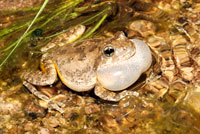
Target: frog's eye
[(108, 51)]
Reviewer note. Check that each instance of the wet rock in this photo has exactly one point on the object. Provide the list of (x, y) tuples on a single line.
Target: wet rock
[(1, 131), (28, 126), (109, 124), (34, 110), (78, 100), (10, 106), (143, 27), (52, 121), (44, 131), (92, 109), (18, 4), (193, 98), (49, 91)]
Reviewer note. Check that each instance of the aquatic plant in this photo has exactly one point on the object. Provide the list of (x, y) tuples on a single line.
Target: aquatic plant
[(72, 12)]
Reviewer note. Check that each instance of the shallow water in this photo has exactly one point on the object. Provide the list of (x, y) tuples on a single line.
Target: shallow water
[(169, 91)]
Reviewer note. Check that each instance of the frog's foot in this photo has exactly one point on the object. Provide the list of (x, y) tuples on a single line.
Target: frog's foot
[(53, 104), (65, 38), (47, 77), (111, 95)]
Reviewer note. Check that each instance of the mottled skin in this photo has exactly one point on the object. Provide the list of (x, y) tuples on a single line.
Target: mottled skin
[(76, 65)]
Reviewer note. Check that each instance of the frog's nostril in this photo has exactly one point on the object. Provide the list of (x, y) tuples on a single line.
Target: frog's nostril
[(125, 34)]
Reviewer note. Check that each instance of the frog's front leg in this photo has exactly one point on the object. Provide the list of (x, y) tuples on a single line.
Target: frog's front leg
[(111, 95), (47, 76)]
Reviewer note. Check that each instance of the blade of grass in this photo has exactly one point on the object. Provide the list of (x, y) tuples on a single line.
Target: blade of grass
[(94, 28), (19, 41), (91, 18), (103, 11), (61, 10), (20, 10), (80, 9), (16, 28)]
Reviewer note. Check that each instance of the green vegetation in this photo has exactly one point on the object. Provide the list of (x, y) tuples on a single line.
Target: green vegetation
[(51, 17)]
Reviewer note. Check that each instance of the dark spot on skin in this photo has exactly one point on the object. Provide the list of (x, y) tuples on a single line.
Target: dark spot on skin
[(78, 44), (79, 50), (82, 56), (63, 40), (96, 63), (62, 51), (92, 48), (82, 48)]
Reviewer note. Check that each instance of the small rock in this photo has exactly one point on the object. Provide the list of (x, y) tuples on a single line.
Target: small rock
[(145, 28), (34, 110), (109, 124), (28, 126), (78, 100), (10, 106), (18, 4), (44, 131), (92, 109), (193, 97), (49, 91), (52, 121)]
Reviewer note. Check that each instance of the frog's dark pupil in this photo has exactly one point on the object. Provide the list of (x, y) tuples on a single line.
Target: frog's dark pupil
[(109, 51)]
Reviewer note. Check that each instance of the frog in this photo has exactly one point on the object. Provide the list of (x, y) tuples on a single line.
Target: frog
[(108, 65)]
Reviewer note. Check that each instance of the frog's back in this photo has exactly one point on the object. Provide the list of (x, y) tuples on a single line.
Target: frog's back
[(76, 64)]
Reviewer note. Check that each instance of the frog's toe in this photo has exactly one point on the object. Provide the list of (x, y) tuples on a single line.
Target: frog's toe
[(113, 96), (56, 105), (52, 103), (34, 91)]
